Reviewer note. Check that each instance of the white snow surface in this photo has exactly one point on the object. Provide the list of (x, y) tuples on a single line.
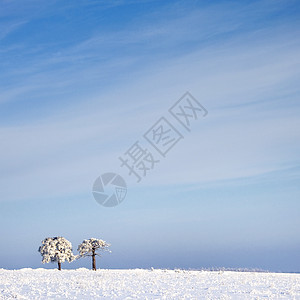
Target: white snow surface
[(146, 284)]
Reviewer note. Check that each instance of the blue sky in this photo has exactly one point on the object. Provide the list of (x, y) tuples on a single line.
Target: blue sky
[(81, 81)]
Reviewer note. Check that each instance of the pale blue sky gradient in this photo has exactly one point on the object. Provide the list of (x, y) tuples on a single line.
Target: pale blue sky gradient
[(81, 81)]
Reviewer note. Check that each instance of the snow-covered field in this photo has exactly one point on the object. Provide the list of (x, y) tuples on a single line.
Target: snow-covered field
[(146, 284)]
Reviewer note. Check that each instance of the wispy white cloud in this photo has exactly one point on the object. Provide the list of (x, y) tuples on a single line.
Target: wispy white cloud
[(246, 81), (9, 27)]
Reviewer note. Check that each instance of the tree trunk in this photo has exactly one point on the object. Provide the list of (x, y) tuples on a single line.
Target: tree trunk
[(59, 265), (94, 259)]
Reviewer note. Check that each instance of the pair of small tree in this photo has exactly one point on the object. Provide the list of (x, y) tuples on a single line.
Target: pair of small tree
[(58, 249)]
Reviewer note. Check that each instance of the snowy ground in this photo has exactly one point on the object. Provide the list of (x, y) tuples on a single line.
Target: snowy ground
[(146, 284)]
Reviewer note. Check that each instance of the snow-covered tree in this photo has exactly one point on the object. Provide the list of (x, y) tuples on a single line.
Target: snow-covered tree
[(90, 247), (56, 249)]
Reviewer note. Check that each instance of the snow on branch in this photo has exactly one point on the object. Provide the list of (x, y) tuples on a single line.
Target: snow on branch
[(56, 249), (90, 246)]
